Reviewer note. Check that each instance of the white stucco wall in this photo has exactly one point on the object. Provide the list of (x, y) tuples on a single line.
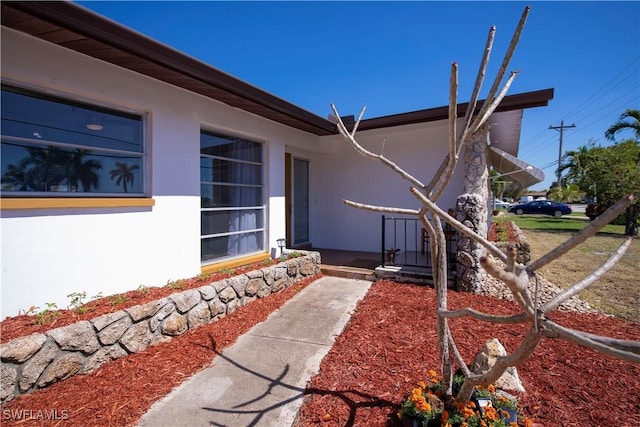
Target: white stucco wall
[(47, 254), (345, 174)]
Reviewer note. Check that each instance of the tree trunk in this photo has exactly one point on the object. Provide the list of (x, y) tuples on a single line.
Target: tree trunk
[(631, 227)]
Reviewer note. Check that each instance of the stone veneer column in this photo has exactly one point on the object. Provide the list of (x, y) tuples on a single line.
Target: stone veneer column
[(471, 210)]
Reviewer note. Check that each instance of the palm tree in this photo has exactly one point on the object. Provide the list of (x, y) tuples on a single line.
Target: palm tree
[(623, 123), (124, 173)]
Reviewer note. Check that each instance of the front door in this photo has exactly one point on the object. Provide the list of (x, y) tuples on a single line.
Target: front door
[(297, 200)]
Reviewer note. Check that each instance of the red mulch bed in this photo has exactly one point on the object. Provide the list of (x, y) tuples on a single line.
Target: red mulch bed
[(120, 392), (389, 344), (509, 228), (26, 324)]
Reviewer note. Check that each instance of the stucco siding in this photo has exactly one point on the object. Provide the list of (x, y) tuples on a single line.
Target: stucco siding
[(47, 254), (345, 174)]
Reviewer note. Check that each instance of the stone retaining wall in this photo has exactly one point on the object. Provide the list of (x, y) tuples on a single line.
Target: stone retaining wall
[(39, 360)]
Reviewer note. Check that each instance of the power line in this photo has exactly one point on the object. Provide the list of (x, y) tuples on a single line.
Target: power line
[(586, 101)]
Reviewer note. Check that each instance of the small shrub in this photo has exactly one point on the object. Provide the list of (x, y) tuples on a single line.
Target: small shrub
[(117, 299), (175, 284), (77, 302), (143, 288), (49, 314), (204, 276)]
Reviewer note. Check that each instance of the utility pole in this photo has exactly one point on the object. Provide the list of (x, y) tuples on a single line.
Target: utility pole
[(560, 128)]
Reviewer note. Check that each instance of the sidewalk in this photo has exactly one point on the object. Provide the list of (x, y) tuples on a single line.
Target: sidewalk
[(260, 380)]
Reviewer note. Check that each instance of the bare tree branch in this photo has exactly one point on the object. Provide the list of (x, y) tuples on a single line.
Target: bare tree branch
[(470, 312), (516, 281), (590, 230), (505, 64), (443, 179), (360, 149), (384, 209), (626, 345), (495, 251), (516, 358), (515, 276), (580, 338), (471, 107), (484, 115), (588, 281)]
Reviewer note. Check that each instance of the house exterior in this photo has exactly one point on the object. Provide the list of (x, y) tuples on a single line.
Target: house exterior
[(126, 163)]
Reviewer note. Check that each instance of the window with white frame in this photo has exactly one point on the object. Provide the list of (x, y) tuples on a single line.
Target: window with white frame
[(53, 146), (232, 197)]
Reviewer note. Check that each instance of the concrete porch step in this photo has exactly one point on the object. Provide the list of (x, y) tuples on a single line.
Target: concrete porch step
[(348, 272)]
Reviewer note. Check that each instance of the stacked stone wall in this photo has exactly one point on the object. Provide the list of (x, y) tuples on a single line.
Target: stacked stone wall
[(41, 359), (469, 272)]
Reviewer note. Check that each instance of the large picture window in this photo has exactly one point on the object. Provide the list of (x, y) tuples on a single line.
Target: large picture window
[(232, 197), (57, 147)]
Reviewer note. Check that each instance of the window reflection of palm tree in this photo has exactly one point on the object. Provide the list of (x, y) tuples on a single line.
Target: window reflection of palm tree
[(83, 170), (46, 168), (124, 173)]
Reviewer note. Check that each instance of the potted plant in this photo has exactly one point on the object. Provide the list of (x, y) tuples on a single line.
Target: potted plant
[(488, 407)]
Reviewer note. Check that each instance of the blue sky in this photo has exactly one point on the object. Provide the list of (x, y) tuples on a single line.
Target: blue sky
[(395, 57)]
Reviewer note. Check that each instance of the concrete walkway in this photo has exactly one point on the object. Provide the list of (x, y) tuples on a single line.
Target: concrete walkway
[(260, 380)]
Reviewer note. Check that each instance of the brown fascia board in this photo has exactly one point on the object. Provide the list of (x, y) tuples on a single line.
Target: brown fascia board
[(518, 101), (80, 20), (87, 23)]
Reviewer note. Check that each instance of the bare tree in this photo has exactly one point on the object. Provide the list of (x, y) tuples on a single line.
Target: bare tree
[(515, 276)]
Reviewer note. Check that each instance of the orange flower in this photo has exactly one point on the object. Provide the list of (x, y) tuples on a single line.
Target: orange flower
[(422, 385), (528, 422), (490, 413), (326, 417), (432, 373), (492, 389)]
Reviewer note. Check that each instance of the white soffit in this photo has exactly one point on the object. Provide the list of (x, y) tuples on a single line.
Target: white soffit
[(505, 130), (514, 169)]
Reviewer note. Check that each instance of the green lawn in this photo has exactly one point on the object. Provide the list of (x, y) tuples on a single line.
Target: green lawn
[(565, 224)]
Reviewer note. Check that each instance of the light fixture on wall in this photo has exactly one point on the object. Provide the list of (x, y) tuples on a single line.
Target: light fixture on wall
[(94, 126), (95, 122), (281, 244)]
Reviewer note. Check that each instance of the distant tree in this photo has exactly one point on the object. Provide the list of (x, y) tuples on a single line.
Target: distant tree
[(568, 193), (124, 173), (630, 120), (573, 162), (606, 174)]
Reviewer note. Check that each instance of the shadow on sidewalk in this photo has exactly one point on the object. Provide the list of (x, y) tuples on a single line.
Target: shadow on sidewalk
[(368, 401)]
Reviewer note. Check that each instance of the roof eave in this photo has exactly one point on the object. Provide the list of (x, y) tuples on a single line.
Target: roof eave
[(77, 28)]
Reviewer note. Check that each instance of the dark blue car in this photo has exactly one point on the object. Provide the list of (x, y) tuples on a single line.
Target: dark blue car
[(541, 207)]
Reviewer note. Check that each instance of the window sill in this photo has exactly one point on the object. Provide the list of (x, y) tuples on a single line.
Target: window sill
[(66, 203), (212, 268)]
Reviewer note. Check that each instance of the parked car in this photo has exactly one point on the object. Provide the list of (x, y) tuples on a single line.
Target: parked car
[(499, 204), (542, 207)]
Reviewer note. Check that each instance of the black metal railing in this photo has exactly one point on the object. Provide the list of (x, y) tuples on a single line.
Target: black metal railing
[(406, 243)]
